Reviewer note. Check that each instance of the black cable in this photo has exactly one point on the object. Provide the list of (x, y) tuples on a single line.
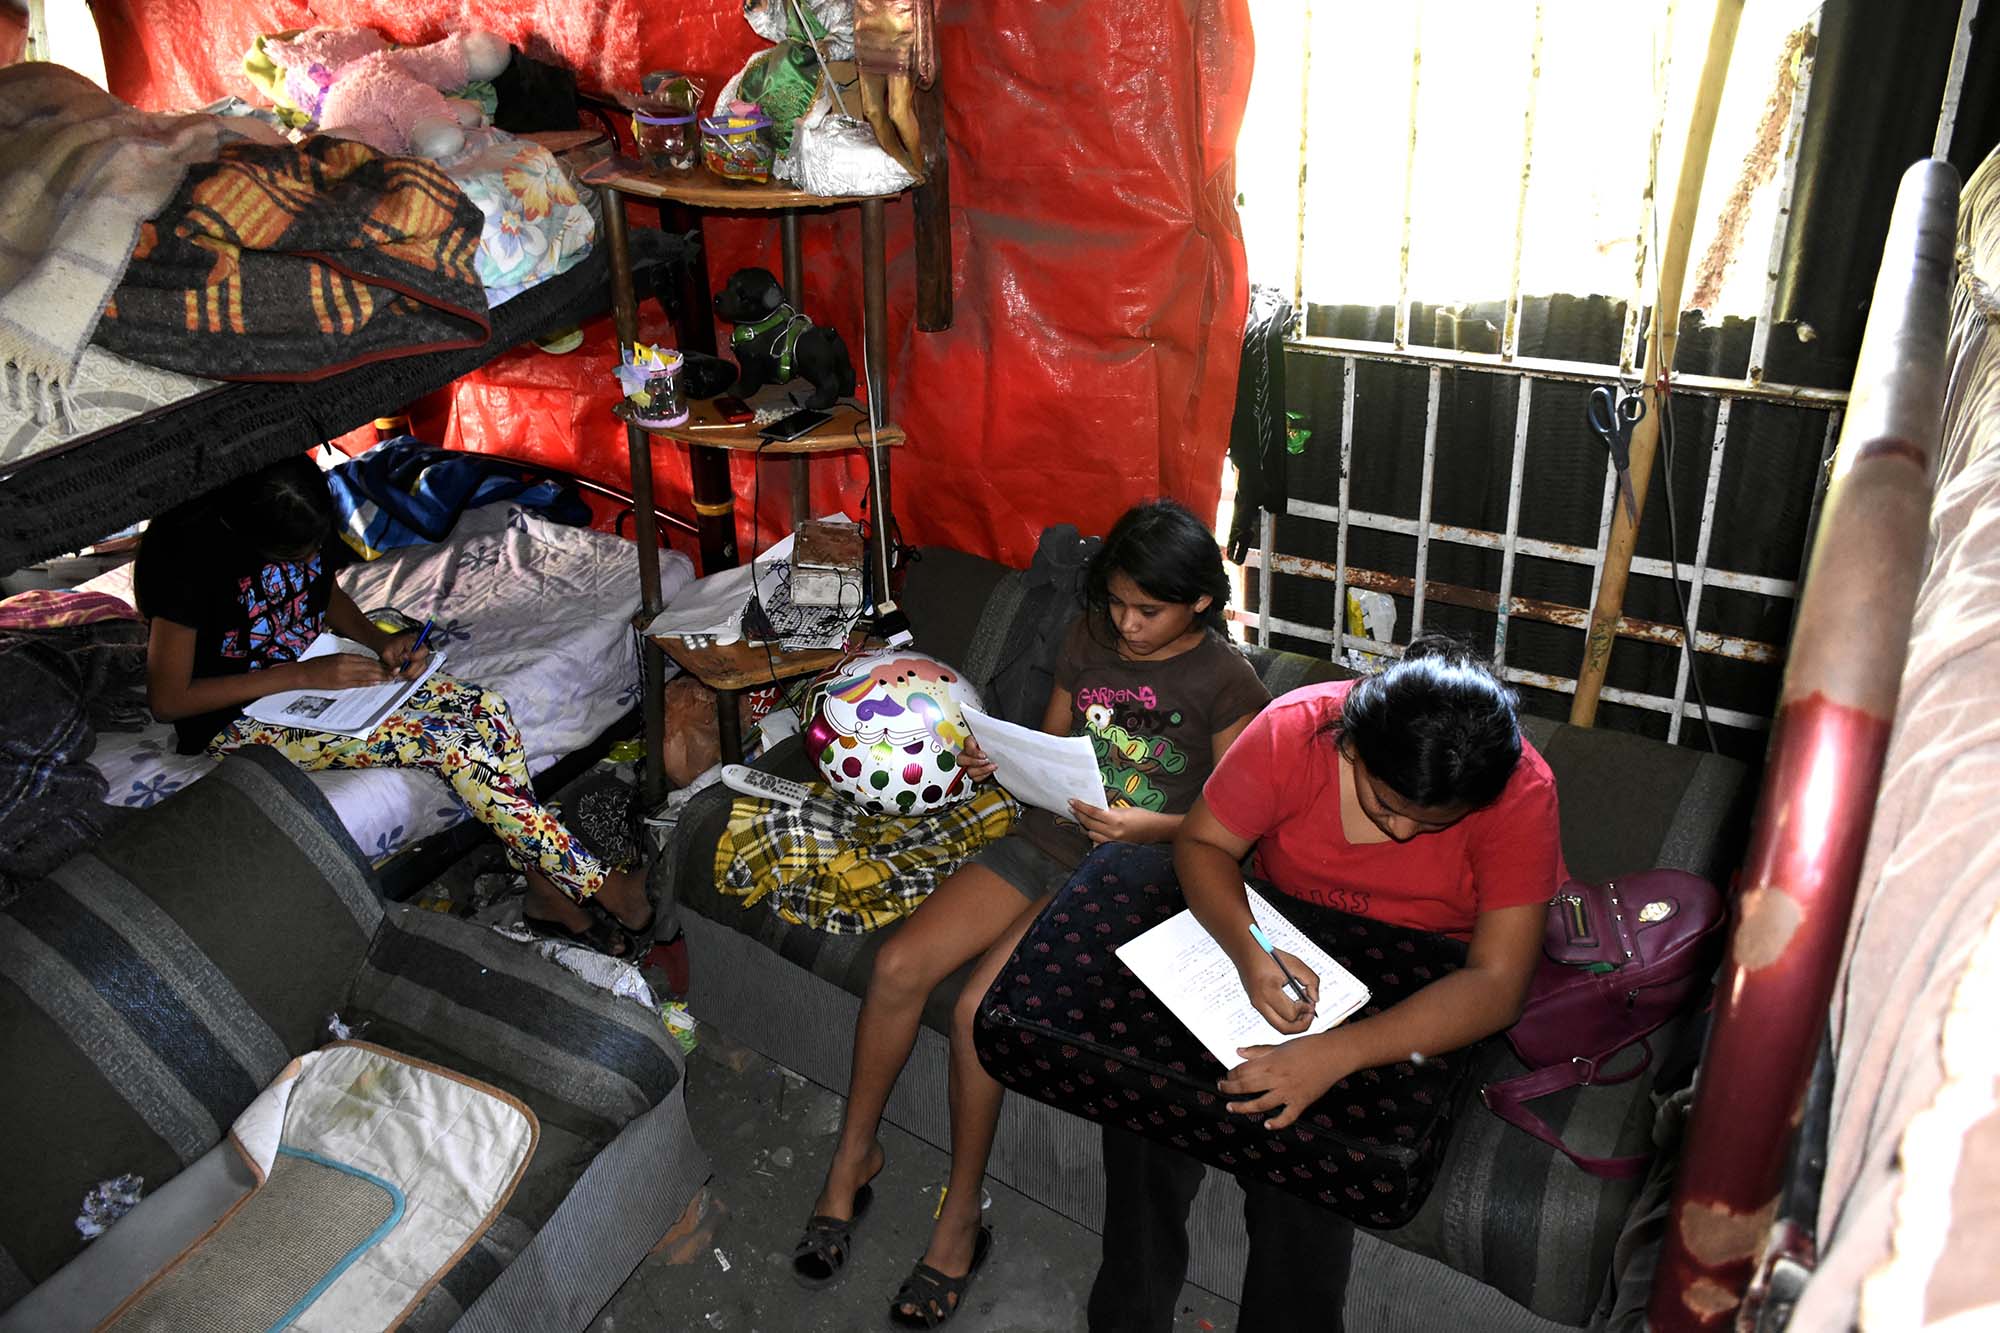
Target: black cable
[(1665, 408)]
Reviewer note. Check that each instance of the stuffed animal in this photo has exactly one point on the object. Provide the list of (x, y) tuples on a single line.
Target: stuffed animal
[(775, 344), (393, 99)]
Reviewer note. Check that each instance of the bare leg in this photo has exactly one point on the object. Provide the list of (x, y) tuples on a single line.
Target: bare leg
[(624, 896), (960, 919), (975, 1112)]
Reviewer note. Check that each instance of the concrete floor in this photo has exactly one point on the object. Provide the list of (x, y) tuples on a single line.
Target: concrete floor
[(769, 1131)]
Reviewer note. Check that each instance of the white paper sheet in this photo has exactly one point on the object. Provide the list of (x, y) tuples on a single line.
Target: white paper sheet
[(1036, 768), (1180, 962), (353, 712), (710, 606)]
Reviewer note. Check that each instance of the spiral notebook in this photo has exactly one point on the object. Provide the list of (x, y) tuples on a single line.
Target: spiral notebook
[(1180, 962)]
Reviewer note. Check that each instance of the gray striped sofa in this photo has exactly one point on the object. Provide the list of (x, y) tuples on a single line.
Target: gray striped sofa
[(1514, 1236), (153, 986)]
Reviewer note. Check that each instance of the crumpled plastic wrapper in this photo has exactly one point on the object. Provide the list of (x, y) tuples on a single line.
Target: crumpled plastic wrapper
[(775, 20), (836, 155), (600, 970), (107, 1201)]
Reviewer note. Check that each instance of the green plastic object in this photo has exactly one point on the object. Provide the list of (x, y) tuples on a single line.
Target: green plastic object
[(1296, 433)]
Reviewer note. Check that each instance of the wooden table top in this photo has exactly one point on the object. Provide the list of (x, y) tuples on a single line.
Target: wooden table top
[(746, 666), (846, 428), (702, 188)]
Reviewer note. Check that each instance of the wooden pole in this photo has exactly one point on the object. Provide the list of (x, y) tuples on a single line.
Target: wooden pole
[(1660, 344), (639, 453)]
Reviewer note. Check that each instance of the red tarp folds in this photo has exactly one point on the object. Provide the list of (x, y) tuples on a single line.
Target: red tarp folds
[(1099, 273)]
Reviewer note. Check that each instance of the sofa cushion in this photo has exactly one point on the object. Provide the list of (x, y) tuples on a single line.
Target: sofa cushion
[(1628, 803), (1000, 626), (1284, 672), (1523, 1218), (945, 594), (586, 1062), (844, 960), (150, 989)]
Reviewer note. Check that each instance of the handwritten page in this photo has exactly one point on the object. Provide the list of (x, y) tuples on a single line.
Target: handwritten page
[(1036, 768), (353, 712), (1180, 962)]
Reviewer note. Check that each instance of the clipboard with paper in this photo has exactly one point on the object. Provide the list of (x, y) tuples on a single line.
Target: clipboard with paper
[(1038, 769)]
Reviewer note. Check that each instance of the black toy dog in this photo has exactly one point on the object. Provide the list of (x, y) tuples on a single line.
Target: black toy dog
[(775, 344)]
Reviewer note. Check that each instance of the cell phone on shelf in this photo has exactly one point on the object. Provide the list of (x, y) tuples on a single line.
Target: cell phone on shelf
[(724, 413), (794, 426)]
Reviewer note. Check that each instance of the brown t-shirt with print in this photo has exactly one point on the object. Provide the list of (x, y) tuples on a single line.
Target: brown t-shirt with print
[(1153, 724)]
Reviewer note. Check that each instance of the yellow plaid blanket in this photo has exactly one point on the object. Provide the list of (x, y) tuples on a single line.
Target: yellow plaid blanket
[(835, 867)]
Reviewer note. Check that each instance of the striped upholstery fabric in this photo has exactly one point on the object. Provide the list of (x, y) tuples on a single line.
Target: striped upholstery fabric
[(1539, 1232), (150, 989), (587, 1063)]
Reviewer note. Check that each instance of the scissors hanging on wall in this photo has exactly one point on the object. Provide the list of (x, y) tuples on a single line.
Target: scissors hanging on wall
[(1613, 413)]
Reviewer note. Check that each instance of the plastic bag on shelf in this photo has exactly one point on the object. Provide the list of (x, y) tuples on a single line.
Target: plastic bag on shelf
[(835, 155)]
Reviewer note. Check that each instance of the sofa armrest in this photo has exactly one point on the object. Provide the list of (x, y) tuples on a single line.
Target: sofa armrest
[(447, 990)]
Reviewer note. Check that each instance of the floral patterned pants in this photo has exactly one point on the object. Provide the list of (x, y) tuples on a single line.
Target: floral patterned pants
[(466, 736)]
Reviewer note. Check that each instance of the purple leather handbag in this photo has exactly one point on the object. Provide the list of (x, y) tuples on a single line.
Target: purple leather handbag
[(1618, 961)]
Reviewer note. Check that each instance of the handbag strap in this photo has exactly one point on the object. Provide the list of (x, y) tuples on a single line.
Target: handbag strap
[(1507, 1099)]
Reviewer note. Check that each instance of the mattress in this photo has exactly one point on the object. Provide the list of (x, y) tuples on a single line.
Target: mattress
[(534, 610)]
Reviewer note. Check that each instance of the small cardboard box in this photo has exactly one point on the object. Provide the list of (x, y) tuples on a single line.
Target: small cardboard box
[(826, 565)]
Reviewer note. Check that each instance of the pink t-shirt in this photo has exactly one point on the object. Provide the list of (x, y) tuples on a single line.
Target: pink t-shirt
[(1279, 786)]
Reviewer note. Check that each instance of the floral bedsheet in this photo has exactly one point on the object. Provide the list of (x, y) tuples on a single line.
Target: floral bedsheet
[(537, 224), (538, 611)]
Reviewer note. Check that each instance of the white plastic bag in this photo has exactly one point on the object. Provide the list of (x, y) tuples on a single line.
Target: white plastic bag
[(838, 155)]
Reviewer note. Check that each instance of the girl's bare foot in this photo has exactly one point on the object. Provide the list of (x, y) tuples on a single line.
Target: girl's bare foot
[(844, 1176), (955, 1234), (624, 896), (546, 902)]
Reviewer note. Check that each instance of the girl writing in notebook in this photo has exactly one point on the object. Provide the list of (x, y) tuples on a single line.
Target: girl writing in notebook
[(236, 587), (1408, 797), (1149, 674)]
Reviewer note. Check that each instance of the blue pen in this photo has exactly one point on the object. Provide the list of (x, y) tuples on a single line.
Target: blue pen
[(1264, 943), (418, 646)]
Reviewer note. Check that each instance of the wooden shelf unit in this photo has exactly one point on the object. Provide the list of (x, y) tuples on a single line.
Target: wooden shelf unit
[(848, 429), (683, 200)]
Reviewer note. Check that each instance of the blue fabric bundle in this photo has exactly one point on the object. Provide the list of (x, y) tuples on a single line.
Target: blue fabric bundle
[(404, 492)]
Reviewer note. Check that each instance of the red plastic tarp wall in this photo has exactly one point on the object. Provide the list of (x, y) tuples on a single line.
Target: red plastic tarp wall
[(1099, 274)]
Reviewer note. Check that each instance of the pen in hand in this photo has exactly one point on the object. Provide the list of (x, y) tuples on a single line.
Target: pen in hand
[(1264, 943), (410, 659)]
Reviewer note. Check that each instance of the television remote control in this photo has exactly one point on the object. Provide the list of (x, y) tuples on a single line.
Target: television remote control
[(769, 786)]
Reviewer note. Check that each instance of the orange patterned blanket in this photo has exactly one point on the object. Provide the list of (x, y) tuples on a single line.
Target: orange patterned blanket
[(297, 262)]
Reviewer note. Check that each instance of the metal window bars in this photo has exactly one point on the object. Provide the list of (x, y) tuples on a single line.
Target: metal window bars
[(1346, 646)]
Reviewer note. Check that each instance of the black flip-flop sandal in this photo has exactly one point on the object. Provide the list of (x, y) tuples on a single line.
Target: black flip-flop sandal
[(827, 1243), (932, 1297)]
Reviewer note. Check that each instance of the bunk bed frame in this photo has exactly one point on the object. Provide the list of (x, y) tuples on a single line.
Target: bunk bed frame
[(68, 497)]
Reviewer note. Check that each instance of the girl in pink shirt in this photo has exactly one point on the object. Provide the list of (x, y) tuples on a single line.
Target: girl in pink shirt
[(1408, 797)]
